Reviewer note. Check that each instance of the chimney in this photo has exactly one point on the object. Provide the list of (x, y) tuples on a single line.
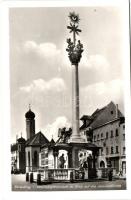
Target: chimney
[(116, 110)]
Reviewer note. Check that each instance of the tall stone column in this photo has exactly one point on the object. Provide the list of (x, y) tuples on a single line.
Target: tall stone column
[(74, 53), (75, 137)]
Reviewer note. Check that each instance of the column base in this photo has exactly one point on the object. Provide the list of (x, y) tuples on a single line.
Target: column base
[(77, 140)]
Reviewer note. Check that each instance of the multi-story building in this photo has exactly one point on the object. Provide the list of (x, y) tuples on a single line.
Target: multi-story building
[(18, 155), (106, 128)]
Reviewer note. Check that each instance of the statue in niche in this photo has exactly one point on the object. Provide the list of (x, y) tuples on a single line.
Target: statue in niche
[(62, 161), (83, 160)]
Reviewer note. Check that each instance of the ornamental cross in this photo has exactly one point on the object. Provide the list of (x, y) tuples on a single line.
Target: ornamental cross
[(74, 50)]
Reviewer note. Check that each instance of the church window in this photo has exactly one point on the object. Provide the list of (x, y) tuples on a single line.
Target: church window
[(19, 147), (29, 158), (35, 158)]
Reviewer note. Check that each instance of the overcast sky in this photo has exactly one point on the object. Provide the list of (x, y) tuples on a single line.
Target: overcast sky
[(40, 72)]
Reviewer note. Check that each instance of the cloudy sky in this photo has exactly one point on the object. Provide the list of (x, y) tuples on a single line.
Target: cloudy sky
[(40, 72)]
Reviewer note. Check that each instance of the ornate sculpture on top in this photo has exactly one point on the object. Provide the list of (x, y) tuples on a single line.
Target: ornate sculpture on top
[(74, 50)]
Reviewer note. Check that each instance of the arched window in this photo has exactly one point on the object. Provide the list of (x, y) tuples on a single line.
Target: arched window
[(28, 158), (35, 159), (102, 164)]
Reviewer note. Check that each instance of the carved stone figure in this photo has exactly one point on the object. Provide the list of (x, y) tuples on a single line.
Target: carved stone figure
[(62, 161)]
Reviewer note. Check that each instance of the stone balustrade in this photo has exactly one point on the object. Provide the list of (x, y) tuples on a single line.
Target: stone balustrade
[(65, 175), (54, 175)]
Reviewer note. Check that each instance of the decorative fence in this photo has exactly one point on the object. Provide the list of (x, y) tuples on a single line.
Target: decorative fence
[(66, 175), (57, 175)]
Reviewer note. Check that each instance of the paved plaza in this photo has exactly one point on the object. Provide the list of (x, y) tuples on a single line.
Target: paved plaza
[(19, 184)]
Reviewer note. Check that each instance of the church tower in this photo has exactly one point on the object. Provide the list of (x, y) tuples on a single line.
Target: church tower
[(30, 123)]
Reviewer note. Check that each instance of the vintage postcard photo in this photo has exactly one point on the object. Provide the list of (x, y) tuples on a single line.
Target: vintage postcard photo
[(67, 98)]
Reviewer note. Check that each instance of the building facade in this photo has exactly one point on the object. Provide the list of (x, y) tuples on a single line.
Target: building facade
[(18, 156), (106, 128)]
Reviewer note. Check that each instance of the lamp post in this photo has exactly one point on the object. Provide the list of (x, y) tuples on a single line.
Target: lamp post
[(75, 49)]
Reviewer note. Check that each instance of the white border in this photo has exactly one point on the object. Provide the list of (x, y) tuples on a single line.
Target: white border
[(5, 177)]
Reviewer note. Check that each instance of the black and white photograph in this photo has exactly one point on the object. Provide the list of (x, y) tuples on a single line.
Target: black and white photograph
[(67, 105), (67, 98)]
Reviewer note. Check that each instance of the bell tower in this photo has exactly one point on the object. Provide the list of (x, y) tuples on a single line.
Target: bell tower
[(30, 123)]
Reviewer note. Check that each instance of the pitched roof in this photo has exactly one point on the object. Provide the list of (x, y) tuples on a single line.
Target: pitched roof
[(86, 117), (105, 115), (37, 140), (52, 141)]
